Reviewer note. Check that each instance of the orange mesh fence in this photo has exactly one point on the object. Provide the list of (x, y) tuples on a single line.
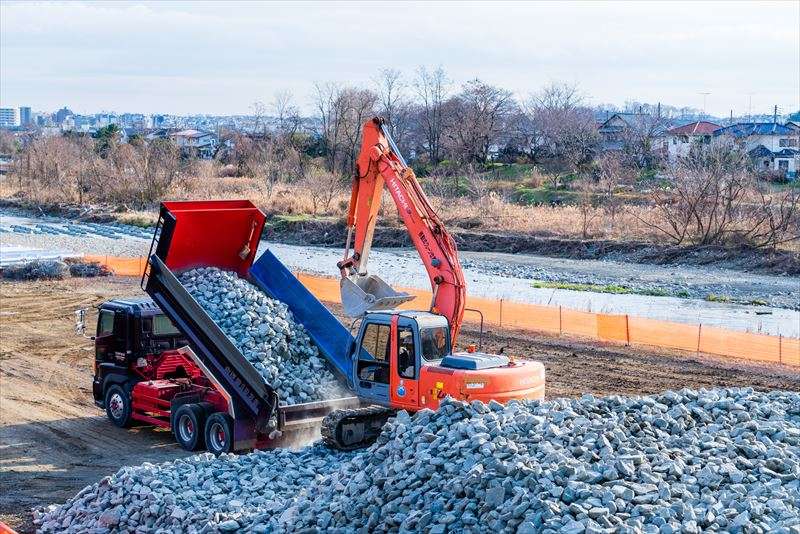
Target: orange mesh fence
[(613, 328), (790, 351), (663, 334), (551, 319), (120, 266), (740, 344)]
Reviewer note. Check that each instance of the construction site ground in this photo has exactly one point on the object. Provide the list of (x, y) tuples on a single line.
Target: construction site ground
[(54, 440)]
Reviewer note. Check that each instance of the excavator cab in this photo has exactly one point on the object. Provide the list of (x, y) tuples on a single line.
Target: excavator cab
[(404, 360), (390, 350)]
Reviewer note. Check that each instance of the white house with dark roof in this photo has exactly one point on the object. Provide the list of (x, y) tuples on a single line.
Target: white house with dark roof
[(772, 146)]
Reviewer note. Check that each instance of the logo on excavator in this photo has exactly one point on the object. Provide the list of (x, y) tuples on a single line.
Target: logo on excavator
[(401, 389), (427, 246), (401, 198)]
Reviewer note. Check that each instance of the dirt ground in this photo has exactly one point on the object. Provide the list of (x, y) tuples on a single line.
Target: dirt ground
[(54, 440)]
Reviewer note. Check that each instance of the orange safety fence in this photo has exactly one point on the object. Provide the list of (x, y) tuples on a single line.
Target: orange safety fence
[(626, 329), (120, 266)]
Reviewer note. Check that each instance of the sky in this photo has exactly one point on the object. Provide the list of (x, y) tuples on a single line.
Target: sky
[(214, 58)]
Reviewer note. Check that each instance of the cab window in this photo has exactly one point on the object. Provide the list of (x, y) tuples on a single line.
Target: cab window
[(162, 326), (376, 341), (406, 355), (105, 323), (434, 343)]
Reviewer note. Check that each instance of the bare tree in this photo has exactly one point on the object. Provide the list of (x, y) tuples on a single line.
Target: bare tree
[(360, 106), (479, 115), (286, 114), (587, 204), (323, 186), (611, 176), (564, 128), (709, 199), (331, 110), (640, 140), (259, 117), (432, 90), (395, 106)]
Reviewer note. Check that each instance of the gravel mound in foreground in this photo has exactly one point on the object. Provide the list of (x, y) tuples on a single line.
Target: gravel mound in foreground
[(265, 331), (688, 461)]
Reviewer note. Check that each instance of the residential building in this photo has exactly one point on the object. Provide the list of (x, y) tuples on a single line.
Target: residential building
[(199, 142), (25, 116), (8, 117), (772, 146), (681, 140), (620, 128)]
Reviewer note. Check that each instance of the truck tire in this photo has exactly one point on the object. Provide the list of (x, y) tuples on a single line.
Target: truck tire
[(219, 433), (118, 406), (187, 426)]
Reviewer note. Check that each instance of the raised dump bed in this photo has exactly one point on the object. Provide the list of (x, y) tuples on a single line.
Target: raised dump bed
[(225, 235)]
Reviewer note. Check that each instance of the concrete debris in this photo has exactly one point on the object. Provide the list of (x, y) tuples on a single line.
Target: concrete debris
[(688, 461), (264, 330)]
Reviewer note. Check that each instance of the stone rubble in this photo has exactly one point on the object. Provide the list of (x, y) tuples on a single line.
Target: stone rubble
[(724, 460), (264, 330)]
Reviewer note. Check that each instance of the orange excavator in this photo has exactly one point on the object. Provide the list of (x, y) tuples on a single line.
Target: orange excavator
[(404, 359)]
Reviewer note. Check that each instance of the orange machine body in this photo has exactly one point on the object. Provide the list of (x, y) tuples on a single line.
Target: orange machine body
[(422, 381)]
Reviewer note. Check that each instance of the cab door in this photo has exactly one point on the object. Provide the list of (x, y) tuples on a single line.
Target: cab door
[(405, 361), (104, 340), (372, 367)]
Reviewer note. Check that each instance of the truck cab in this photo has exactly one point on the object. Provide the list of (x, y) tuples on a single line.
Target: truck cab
[(130, 333), (403, 359)]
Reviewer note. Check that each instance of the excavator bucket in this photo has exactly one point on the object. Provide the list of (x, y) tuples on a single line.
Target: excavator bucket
[(365, 292)]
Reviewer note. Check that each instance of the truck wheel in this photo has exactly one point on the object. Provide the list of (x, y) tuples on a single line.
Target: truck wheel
[(187, 426), (219, 433), (118, 406)]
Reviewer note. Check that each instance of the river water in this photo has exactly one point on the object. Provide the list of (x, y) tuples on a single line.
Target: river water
[(403, 268)]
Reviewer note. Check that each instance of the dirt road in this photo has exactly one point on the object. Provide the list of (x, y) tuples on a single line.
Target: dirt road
[(54, 440)]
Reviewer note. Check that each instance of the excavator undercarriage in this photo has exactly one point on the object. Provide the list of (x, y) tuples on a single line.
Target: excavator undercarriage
[(347, 430)]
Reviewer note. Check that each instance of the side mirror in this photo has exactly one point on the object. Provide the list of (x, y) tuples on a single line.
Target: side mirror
[(80, 322)]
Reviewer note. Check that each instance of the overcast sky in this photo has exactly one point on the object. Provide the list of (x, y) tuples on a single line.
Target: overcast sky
[(219, 58)]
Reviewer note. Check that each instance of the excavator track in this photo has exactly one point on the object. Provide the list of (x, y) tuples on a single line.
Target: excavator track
[(347, 430)]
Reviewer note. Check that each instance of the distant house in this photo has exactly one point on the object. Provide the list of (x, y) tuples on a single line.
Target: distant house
[(771, 146), (680, 140), (199, 142), (620, 128)]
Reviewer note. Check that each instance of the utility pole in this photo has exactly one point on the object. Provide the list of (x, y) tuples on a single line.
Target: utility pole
[(775, 114), (750, 107), (705, 94)]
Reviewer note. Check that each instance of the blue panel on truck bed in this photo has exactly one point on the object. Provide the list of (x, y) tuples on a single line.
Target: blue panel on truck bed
[(328, 333)]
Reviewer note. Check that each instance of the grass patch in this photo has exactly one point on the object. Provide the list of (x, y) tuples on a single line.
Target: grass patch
[(712, 297), (600, 288), (758, 302), (286, 220), (140, 219)]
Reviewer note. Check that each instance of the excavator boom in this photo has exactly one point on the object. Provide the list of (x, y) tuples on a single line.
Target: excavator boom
[(380, 164)]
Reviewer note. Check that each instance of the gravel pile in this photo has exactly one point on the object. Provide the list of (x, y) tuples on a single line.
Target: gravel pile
[(264, 330), (688, 461), (202, 492)]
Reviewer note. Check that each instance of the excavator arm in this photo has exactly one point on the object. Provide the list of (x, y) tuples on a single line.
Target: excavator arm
[(380, 164)]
